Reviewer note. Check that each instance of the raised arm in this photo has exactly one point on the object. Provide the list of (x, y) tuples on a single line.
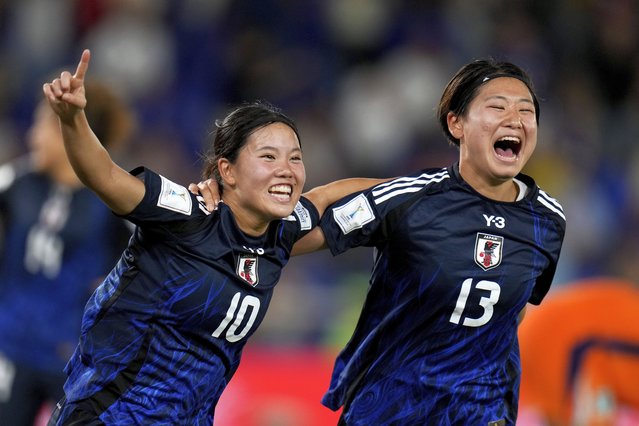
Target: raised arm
[(119, 190)]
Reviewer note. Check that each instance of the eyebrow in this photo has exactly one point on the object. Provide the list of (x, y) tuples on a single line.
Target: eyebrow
[(506, 99), (272, 148)]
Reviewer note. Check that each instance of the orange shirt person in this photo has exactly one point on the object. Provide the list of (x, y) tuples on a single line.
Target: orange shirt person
[(580, 354)]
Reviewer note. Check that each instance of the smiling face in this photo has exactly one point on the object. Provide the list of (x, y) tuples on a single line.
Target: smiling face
[(266, 180), (497, 134)]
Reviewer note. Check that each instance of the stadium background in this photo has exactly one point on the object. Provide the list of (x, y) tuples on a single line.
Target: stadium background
[(362, 79)]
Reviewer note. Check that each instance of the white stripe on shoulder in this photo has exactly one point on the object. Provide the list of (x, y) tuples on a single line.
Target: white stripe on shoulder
[(7, 175), (551, 203), (403, 185)]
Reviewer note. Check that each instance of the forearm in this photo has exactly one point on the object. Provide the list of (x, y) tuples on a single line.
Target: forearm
[(90, 161), (95, 168), (322, 197), (325, 195), (313, 241)]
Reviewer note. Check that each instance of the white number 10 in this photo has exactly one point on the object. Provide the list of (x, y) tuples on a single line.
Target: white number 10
[(485, 302), (248, 301)]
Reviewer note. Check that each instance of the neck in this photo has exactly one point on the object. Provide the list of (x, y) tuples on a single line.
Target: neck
[(498, 189), (246, 220)]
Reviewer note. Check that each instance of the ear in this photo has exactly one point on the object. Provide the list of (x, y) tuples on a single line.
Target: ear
[(227, 174), (455, 125)]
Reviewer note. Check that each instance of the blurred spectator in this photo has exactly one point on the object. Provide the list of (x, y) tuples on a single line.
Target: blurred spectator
[(57, 241)]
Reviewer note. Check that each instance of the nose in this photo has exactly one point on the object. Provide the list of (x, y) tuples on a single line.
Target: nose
[(514, 120), (284, 169)]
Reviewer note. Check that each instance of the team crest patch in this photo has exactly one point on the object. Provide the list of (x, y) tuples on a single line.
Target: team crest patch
[(488, 250), (247, 269), (354, 214), (174, 197)]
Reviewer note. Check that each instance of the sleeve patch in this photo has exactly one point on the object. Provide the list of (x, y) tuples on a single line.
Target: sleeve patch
[(354, 214), (174, 197), (304, 216)]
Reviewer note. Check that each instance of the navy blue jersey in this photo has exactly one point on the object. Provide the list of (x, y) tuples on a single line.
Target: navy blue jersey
[(56, 245), (436, 342), (162, 336)]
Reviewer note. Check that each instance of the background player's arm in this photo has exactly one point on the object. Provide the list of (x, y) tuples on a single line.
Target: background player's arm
[(121, 191)]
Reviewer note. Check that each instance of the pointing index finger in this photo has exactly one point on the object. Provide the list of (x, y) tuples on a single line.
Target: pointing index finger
[(83, 65)]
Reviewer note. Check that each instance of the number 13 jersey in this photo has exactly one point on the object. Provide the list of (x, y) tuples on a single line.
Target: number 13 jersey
[(436, 342)]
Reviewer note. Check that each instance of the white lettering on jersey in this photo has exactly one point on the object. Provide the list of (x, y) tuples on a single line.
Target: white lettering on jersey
[(174, 197), (231, 334), (498, 221), (485, 302), (44, 245), (354, 214)]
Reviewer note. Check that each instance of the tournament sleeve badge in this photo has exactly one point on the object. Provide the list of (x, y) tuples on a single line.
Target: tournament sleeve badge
[(354, 214), (174, 197), (488, 250)]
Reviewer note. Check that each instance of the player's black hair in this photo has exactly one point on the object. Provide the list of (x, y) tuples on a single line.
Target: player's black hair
[(463, 87), (232, 133)]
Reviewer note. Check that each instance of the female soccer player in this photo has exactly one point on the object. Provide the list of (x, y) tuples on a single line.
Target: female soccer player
[(460, 252), (163, 334), (57, 242)]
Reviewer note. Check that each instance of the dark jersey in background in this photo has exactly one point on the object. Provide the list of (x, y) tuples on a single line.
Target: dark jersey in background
[(56, 245)]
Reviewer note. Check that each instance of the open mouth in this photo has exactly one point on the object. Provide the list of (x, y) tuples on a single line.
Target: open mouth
[(508, 147), (281, 192)]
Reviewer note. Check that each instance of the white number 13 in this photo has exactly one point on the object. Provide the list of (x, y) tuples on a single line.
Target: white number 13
[(485, 302)]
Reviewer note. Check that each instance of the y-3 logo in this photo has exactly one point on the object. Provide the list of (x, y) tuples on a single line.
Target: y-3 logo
[(498, 221)]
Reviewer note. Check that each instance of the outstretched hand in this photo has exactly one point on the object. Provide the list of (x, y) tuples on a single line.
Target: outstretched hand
[(66, 94), (210, 192)]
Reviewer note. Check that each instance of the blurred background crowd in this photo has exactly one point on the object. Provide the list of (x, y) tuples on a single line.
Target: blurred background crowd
[(362, 79)]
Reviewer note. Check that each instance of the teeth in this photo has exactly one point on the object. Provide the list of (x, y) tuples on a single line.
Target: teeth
[(286, 189), (510, 139)]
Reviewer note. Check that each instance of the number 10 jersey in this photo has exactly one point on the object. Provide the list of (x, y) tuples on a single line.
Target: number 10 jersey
[(163, 334)]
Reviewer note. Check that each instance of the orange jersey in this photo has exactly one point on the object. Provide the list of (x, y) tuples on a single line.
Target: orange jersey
[(580, 353)]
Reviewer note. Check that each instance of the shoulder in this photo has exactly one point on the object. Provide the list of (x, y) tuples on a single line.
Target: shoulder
[(404, 187), (550, 207), (304, 216), (551, 204), (543, 202), (11, 172), (165, 200)]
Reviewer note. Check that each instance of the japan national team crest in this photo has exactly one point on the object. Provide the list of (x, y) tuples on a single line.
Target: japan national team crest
[(488, 250), (247, 269)]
